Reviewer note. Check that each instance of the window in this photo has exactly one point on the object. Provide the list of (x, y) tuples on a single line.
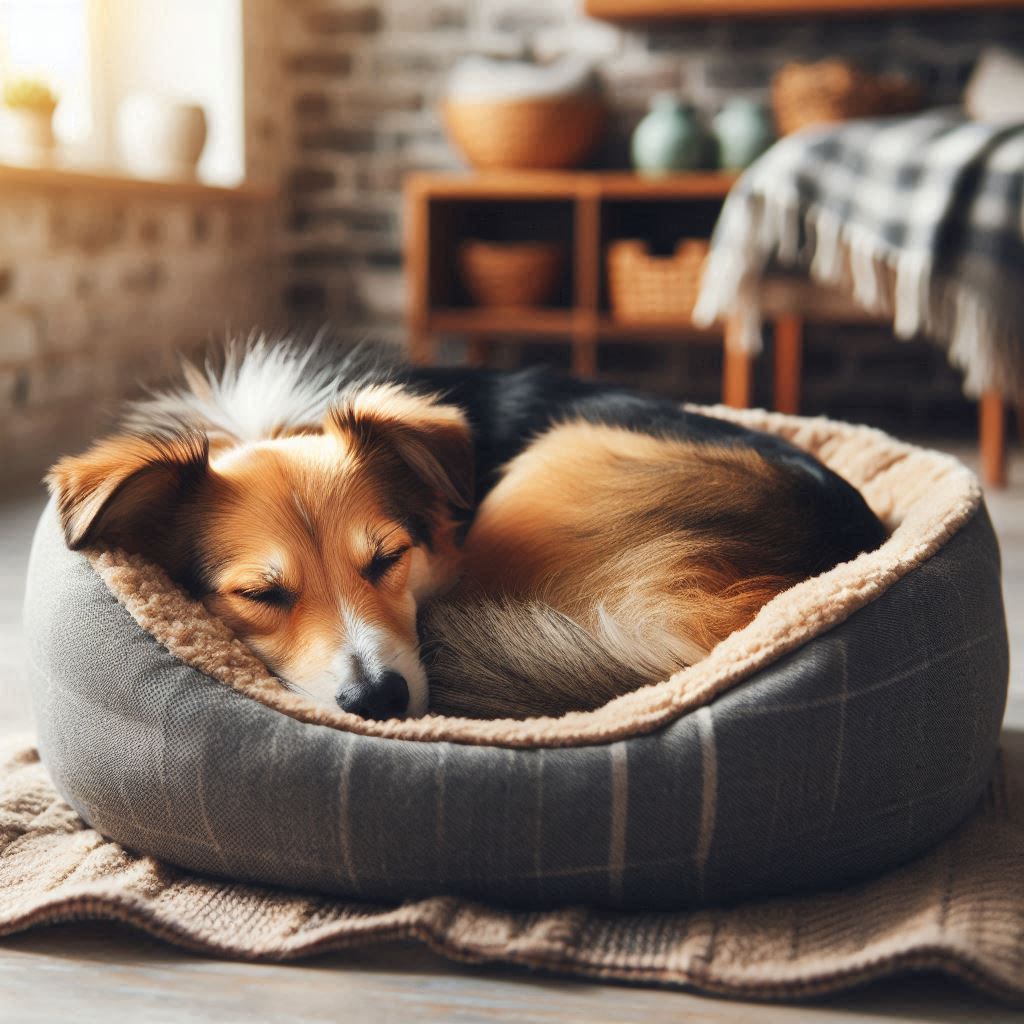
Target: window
[(48, 39), (94, 53)]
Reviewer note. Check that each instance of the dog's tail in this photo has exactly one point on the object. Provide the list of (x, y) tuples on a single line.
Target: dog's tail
[(518, 659)]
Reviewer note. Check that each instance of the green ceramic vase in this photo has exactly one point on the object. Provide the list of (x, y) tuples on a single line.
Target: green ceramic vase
[(668, 139), (743, 131)]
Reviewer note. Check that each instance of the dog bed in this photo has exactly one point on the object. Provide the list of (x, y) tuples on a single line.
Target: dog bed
[(849, 727)]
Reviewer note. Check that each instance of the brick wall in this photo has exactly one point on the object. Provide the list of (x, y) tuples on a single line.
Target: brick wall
[(99, 294), (101, 291), (362, 80)]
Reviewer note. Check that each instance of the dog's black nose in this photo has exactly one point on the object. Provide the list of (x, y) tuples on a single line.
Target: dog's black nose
[(386, 696)]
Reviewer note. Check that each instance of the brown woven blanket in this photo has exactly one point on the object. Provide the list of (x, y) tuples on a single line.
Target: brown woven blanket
[(959, 910)]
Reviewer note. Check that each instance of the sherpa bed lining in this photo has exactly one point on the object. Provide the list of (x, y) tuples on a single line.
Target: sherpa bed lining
[(924, 497)]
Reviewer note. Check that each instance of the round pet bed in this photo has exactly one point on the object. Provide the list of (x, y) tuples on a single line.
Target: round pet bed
[(850, 726)]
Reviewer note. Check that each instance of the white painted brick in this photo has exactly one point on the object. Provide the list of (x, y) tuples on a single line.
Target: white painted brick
[(24, 225), (381, 292)]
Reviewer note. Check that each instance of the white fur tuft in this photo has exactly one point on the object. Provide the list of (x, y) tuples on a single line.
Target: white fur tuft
[(264, 388)]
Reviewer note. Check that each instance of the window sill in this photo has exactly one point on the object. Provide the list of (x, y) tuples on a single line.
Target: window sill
[(67, 179)]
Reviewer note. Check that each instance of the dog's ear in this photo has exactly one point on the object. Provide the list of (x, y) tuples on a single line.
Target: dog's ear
[(123, 489), (432, 438)]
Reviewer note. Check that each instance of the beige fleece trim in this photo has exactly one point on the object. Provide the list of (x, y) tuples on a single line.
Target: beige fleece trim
[(924, 497)]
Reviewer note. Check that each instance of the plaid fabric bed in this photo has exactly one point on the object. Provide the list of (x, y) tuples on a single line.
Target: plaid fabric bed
[(856, 751), (919, 217), (958, 910)]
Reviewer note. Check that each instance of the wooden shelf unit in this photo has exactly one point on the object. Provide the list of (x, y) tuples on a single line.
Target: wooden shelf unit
[(583, 209), (588, 204)]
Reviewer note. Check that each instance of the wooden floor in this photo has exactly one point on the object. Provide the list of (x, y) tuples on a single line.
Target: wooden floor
[(86, 973)]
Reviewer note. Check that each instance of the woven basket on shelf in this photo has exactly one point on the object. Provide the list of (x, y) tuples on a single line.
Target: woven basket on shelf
[(515, 275), (835, 90), (534, 134), (646, 287)]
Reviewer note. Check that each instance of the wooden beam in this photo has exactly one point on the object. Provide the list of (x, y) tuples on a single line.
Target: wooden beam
[(992, 430), (554, 185), (789, 343), (737, 369), (81, 182), (476, 350), (680, 10), (422, 349), (587, 281)]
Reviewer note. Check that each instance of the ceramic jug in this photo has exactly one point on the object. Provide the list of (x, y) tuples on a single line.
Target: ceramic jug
[(743, 131), (668, 138)]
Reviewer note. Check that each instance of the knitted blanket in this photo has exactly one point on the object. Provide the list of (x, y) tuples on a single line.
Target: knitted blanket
[(918, 218), (959, 909)]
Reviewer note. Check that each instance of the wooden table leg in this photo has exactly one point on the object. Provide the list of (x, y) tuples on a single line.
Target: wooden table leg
[(737, 370), (422, 348), (789, 343), (992, 430), (476, 350), (584, 357)]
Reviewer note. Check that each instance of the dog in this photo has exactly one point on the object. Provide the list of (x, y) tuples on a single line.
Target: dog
[(318, 504)]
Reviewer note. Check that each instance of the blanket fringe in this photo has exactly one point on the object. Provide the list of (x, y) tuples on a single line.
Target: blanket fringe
[(760, 230)]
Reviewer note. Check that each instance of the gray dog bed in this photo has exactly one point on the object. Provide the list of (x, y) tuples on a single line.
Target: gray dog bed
[(849, 727)]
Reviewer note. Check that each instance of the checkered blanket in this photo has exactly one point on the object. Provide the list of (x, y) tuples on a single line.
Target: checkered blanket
[(920, 218)]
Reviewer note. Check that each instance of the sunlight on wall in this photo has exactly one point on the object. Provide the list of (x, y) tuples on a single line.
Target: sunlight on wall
[(94, 53), (189, 50), (47, 39)]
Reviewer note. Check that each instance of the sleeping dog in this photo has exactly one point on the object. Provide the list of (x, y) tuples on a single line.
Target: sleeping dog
[(317, 505)]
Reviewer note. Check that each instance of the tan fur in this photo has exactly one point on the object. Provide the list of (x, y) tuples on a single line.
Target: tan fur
[(602, 560), (924, 497), (119, 491), (298, 518), (645, 551)]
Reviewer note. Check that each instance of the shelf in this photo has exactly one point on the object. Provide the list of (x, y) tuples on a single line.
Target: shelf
[(691, 185), (561, 323), (610, 329), (535, 322), (680, 10), (71, 179), (533, 185)]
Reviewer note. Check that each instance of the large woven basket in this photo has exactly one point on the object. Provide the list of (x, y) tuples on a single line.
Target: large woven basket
[(646, 287), (536, 134), (835, 90)]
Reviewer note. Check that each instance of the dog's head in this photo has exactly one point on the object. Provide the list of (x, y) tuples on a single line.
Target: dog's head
[(315, 547)]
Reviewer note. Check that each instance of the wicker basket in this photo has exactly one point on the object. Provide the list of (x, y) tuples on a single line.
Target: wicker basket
[(536, 134), (834, 90), (646, 287), (514, 275)]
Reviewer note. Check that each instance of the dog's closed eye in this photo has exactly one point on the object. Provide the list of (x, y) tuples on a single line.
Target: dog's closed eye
[(382, 563), (274, 596)]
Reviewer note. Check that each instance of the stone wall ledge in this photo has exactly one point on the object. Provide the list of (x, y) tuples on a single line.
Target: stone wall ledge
[(115, 183)]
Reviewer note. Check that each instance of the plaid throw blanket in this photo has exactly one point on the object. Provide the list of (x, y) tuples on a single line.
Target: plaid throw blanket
[(920, 218)]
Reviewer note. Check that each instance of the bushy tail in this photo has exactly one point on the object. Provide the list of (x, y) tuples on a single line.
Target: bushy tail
[(516, 659)]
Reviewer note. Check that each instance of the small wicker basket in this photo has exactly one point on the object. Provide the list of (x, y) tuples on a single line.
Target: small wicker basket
[(835, 90), (535, 134), (646, 287), (514, 275)]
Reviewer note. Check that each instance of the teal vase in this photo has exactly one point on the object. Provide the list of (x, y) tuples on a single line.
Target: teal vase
[(668, 139), (743, 131)]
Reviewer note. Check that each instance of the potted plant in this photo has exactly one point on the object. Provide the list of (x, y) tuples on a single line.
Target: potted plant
[(29, 105)]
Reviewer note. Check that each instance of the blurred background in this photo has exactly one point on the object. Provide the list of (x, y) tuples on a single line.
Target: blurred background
[(171, 172)]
